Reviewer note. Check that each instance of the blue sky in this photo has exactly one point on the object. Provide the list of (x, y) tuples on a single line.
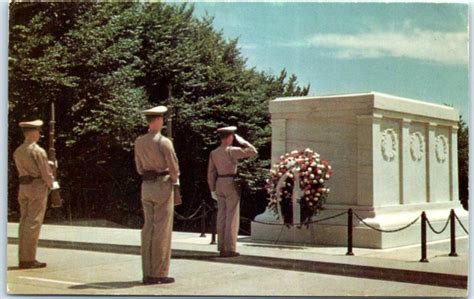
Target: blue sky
[(411, 50)]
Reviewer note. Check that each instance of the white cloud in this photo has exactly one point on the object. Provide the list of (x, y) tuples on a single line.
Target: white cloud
[(248, 46), (434, 46)]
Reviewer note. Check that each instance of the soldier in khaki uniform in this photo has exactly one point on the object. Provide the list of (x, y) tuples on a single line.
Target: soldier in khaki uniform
[(222, 171), (157, 163), (35, 177)]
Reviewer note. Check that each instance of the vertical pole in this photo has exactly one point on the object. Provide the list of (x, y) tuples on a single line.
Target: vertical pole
[(349, 232), (452, 224), (423, 238), (169, 125), (213, 238), (203, 219), (214, 226), (56, 200), (169, 120), (52, 148)]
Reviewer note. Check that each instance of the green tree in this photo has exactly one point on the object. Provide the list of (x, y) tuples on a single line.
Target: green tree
[(463, 160), (104, 62), (37, 68)]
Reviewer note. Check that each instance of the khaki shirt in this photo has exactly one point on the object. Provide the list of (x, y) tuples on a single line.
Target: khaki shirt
[(151, 153), (223, 160), (31, 159)]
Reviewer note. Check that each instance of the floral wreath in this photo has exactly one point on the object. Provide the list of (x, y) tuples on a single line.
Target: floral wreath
[(417, 146), (309, 172), (441, 148), (389, 144)]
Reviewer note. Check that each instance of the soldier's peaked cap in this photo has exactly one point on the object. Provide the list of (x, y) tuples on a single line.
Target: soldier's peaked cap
[(158, 110), (31, 124), (230, 129)]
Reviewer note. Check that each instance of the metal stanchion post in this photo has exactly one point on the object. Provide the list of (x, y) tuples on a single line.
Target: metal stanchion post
[(452, 223), (214, 225), (423, 238), (349, 232), (203, 219)]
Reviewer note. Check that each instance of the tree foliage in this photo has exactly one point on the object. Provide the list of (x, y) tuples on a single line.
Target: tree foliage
[(463, 160), (102, 63)]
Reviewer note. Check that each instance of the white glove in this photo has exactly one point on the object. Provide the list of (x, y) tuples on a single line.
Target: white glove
[(213, 195), (240, 140), (55, 185)]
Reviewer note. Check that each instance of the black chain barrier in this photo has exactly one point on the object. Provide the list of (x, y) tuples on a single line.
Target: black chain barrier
[(462, 225), (211, 209), (209, 206), (387, 230), (434, 230), (192, 216)]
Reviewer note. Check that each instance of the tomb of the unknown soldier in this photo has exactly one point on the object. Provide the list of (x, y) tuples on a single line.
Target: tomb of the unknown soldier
[(392, 157)]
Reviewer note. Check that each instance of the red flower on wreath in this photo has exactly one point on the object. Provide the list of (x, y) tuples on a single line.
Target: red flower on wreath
[(306, 169)]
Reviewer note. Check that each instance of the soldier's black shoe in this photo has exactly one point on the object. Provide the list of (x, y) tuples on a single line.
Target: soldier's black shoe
[(31, 265), (163, 280), (157, 280)]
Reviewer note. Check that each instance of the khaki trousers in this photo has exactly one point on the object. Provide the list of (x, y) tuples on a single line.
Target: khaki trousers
[(228, 214), (32, 199), (158, 209)]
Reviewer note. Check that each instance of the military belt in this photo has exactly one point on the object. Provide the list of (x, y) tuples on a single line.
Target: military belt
[(227, 175), (151, 175), (27, 179)]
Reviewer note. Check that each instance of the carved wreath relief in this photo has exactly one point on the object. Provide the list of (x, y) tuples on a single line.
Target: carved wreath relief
[(417, 146), (441, 148), (389, 144)]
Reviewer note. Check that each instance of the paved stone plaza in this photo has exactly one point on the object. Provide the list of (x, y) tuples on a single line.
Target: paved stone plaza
[(108, 263)]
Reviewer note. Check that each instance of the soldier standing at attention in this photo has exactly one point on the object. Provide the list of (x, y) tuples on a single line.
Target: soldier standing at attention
[(222, 171), (157, 163), (35, 178)]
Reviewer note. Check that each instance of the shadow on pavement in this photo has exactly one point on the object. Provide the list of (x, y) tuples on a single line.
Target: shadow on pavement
[(108, 285), (361, 271), (196, 256), (274, 246), (351, 270)]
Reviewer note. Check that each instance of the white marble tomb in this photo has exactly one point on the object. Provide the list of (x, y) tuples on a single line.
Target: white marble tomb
[(392, 159)]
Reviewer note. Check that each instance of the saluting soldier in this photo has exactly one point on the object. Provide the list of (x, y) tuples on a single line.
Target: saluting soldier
[(221, 175), (35, 178), (157, 163)]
